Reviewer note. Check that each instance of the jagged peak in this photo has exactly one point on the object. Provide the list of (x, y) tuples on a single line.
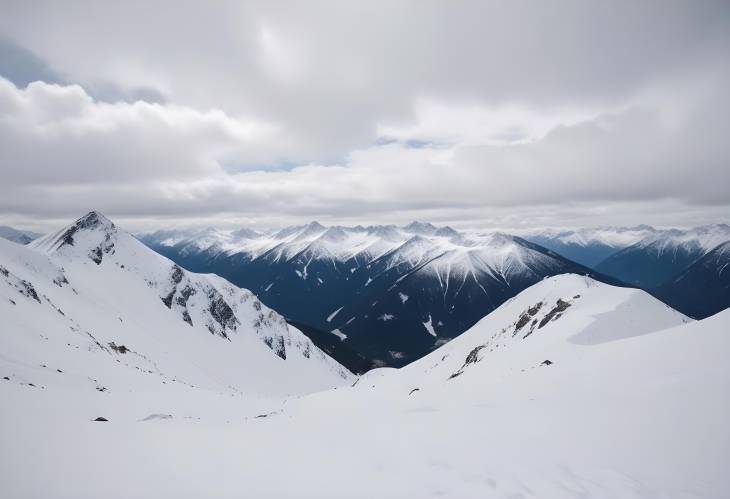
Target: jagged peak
[(93, 219), (92, 235)]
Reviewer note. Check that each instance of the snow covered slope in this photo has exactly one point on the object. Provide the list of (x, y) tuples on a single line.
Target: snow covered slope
[(93, 302), (633, 403), (553, 320), (417, 300), (400, 291)]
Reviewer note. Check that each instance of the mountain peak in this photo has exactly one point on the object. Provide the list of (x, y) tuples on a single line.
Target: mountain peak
[(420, 227), (333, 234), (312, 229), (92, 234), (93, 219)]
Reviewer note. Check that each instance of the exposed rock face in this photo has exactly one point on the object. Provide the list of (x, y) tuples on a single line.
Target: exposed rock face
[(531, 316), (560, 307), (118, 348)]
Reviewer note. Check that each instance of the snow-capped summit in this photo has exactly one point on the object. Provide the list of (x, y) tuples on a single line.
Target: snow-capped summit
[(386, 232), (92, 236), (333, 234), (312, 229), (93, 286)]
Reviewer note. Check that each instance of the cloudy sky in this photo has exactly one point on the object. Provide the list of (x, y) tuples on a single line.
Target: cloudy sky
[(506, 114)]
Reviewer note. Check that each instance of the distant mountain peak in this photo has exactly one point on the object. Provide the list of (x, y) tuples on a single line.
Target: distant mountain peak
[(311, 229), (245, 233), (17, 236), (446, 231), (333, 234), (420, 228)]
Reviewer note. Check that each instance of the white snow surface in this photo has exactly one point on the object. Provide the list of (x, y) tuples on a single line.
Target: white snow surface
[(633, 405)]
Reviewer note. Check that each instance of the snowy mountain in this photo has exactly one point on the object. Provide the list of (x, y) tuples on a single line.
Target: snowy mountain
[(91, 308), (659, 257), (588, 246), (390, 294), (703, 288), (553, 320), (17, 236), (570, 389)]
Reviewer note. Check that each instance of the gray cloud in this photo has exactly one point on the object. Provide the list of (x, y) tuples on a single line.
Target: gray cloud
[(21, 66), (465, 110)]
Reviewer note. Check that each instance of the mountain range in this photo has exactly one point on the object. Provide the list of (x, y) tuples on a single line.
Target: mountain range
[(684, 268), (589, 246), (387, 295), (659, 257), (390, 294), (703, 288)]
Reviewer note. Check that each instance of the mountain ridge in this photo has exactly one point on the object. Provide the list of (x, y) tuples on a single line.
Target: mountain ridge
[(306, 272), (97, 285)]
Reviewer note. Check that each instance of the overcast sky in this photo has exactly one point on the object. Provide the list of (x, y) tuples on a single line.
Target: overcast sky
[(506, 114)]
